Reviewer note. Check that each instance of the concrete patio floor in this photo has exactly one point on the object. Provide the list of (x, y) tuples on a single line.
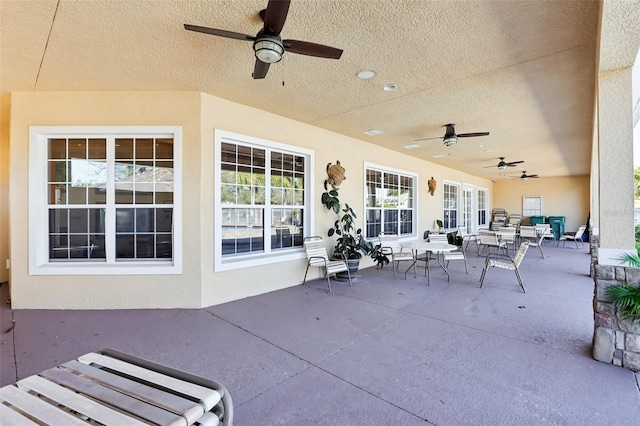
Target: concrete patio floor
[(385, 351)]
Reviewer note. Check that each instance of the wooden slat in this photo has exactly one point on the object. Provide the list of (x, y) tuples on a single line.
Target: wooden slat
[(37, 408), (10, 417), (190, 409), (208, 397), (77, 402), (116, 399)]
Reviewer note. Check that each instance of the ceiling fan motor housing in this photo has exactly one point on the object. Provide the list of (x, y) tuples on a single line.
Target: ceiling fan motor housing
[(268, 48)]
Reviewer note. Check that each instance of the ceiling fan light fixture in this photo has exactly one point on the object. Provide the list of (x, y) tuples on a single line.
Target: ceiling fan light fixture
[(450, 140), (268, 49), (502, 166)]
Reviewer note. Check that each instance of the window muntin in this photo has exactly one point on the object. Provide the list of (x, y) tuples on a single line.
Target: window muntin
[(451, 195), (262, 200), (389, 202), (483, 207), (109, 200)]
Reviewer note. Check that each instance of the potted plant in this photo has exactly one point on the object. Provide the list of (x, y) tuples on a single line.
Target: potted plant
[(351, 245)]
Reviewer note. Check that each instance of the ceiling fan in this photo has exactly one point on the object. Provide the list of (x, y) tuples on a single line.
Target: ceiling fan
[(525, 176), (503, 164), (268, 47), (451, 138)]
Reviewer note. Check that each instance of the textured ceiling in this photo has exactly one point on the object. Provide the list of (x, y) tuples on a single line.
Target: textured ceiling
[(522, 70)]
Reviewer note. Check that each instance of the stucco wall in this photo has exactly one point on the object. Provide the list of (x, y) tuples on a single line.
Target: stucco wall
[(103, 109), (328, 147), (561, 196), (5, 114)]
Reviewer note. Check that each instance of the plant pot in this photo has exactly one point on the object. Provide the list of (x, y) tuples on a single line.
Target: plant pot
[(352, 264)]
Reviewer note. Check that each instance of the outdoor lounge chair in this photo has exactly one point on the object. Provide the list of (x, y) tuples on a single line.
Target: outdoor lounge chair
[(504, 261), (573, 236), (113, 388), (317, 256)]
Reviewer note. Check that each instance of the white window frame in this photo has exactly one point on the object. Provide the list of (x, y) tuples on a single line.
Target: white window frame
[(39, 263), (400, 173), (525, 211), (245, 260), (487, 208), (458, 204)]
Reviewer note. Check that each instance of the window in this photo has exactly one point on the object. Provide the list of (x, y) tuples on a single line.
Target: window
[(262, 201), (104, 200), (451, 195), (531, 206), (390, 202), (483, 207)]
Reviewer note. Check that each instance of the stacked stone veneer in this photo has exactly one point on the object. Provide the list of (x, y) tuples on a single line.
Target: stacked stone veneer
[(615, 340)]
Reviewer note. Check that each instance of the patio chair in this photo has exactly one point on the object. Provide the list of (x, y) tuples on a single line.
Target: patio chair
[(317, 256), (391, 247), (504, 261), (113, 388), (547, 232), (507, 234), (573, 236), (489, 240), (467, 237), (529, 233), (459, 254)]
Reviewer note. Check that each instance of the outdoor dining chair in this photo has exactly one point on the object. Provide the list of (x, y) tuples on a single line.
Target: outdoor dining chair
[(317, 256), (391, 247), (504, 261), (458, 254), (573, 236), (467, 237), (529, 233), (489, 240)]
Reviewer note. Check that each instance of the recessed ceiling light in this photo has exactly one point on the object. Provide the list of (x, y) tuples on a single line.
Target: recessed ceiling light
[(439, 156), (412, 146), (366, 74), (373, 132), (389, 87)]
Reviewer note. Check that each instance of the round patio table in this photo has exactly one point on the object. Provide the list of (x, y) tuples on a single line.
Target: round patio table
[(427, 247)]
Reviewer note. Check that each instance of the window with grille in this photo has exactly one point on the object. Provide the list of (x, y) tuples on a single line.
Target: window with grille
[(390, 202), (451, 197), (109, 198), (262, 202), (483, 207)]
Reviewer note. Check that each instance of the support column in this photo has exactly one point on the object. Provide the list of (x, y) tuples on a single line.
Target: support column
[(615, 160)]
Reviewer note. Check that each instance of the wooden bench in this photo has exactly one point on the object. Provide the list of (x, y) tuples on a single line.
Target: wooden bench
[(113, 388)]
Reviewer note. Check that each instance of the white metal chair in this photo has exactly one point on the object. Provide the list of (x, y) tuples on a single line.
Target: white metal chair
[(467, 237), (459, 254), (529, 233), (317, 256), (391, 247), (504, 261), (489, 240), (573, 236), (547, 232), (507, 234)]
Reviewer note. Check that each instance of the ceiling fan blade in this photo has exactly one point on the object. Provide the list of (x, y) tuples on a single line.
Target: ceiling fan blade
[(533, 176), (488, 167), (427, 139), (471, 135), (312, 49), (275, 14), (260, 69), (217, 32), (513, 163)]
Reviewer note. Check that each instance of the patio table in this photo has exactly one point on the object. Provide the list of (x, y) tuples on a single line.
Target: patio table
[(427, 247)]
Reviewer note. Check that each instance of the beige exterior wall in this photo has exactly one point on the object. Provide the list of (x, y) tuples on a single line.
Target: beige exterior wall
[(198, 114), (5, 114), (103, 109), (561, 196)]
